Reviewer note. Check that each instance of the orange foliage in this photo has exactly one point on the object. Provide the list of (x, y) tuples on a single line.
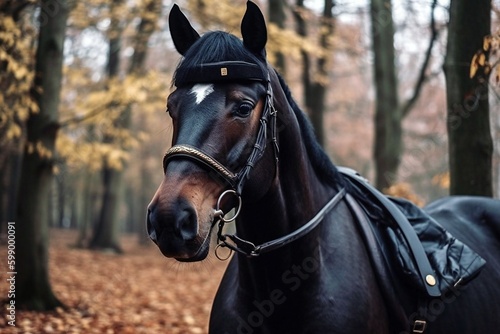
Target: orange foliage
[(404, 190)]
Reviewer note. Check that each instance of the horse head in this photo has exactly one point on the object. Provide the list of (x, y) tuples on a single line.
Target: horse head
[(222, 114)]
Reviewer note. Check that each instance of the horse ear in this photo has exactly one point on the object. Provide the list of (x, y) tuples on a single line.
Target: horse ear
[(181, 30), (253, 30)]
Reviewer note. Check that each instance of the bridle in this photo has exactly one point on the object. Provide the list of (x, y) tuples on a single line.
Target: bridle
[(230, 71), (225, 72)]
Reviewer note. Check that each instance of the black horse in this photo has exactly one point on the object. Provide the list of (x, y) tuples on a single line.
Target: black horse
[(302, 264)]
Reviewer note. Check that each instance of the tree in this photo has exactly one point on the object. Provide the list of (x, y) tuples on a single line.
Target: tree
[(389, 111), (388, 132), (315, 85), (16, 80), (469, 137), (106, 231), (277, 16), (32, 281)]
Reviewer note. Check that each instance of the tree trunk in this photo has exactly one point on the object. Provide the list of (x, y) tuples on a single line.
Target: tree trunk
[(468, 123), (9, 178), (277, 17), (107, 229), (315, 84), (33, 290), (388, 116), (89, 195), (15, 100), (105, 232), (113, 178)]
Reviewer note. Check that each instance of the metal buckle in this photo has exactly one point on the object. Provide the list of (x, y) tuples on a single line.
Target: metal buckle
[(220, 214), (241, 246), (419, 326), (220, 256)]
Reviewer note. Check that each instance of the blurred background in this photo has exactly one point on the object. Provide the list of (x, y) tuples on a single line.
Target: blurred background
[(83, 126)]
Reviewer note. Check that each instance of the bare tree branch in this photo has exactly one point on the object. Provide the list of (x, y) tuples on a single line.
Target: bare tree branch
[(79, 119), (422, 78)]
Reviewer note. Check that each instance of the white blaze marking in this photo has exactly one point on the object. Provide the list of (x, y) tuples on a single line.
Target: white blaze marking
[(201, 91)]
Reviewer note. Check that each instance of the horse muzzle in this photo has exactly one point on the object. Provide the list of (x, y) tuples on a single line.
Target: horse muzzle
[(176, 231)]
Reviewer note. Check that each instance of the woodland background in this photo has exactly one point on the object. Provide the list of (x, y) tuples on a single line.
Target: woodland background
[(83, 128)]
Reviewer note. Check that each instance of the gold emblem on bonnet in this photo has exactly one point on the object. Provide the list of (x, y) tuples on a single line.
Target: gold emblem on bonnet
[(223, 71)]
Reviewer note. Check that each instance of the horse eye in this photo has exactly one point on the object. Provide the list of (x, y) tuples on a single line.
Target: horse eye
[(244, 109)]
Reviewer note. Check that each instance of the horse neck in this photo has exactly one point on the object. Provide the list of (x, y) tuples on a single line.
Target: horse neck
[(294, 198)]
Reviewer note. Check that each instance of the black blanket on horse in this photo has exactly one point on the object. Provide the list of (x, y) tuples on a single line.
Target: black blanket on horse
[(451, 261)]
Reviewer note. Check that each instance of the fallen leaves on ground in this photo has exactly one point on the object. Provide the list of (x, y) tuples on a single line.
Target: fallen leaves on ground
[(138, 292)]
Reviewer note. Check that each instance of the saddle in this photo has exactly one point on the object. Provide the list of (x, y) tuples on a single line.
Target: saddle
[(405, 237)]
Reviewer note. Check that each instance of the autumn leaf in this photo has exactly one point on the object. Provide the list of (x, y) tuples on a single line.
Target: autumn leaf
[(473, 66), (442, 180), (16, 76), (481, 59), (487, 43)]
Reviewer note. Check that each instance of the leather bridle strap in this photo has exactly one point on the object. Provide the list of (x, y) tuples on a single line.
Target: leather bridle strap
[(268, 116), (249, 249), (190, 152)]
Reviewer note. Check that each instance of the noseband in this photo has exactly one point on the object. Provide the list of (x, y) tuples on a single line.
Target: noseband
[(226, 72)]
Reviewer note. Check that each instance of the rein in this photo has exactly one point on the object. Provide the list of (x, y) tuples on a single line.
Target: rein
[(230, 71), (251, 250)]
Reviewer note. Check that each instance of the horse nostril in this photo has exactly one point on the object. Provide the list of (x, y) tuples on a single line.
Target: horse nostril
[(149, 226), (187, 222), (181, 220)]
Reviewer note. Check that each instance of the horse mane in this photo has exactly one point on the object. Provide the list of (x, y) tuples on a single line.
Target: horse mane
[(324, 167), (322, 164), (215, 46)]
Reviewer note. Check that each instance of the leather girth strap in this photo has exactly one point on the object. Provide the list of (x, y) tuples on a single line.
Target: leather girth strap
[(380, 264), (422, 262)]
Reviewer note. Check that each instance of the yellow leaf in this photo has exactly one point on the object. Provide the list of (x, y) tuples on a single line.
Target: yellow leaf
[(473, 68), (486, 43), (13, 132), (442, 180), (21, 72), (487, 69), (481, 59), (30, 148)]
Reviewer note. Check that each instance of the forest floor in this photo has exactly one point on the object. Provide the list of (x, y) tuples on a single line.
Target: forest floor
[(137, 292)]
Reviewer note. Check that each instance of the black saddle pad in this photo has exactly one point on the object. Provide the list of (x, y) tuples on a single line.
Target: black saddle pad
[(453, 263)]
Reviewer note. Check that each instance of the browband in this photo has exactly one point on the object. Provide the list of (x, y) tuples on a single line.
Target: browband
[(219, 72)]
